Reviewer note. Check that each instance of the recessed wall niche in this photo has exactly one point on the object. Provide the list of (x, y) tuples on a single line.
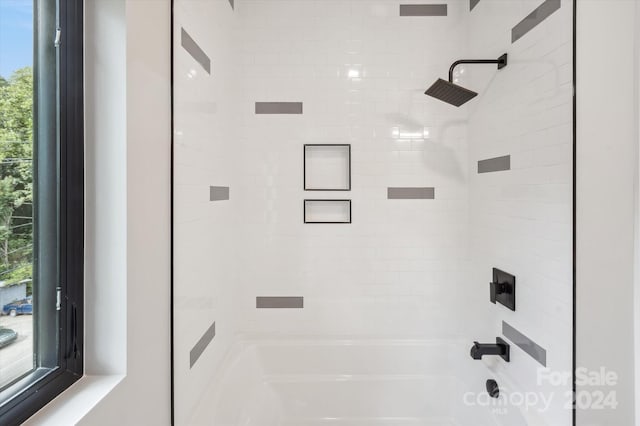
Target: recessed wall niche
[(327, 167), (327, 211)]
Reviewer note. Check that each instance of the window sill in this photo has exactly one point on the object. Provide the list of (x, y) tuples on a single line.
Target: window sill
[(76, 402)]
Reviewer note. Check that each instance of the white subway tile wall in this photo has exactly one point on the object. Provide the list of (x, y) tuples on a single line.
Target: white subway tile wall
[(521, 219), (361, 71), (410, 269), (207, 253)]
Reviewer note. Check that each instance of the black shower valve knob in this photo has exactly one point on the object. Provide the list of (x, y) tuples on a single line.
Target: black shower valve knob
[(498, 288)]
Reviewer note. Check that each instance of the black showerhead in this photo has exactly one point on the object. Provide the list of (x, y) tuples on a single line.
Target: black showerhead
[(451, 93)]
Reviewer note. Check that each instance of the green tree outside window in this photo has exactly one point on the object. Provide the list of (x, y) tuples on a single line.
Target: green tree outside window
[(16, 178)]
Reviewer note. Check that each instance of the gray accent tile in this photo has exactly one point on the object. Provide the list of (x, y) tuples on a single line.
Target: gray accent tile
[(190, 45), (202, 344), (498, 164), (279, 302), (411, 193), (541, 13), (278, 107), (232, 5), (423, 10), (473, 3), (534, 350), (218, 193)]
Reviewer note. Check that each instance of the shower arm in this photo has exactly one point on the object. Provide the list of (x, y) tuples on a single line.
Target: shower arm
[(501, 61)]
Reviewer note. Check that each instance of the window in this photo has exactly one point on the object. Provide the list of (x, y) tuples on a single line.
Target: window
[(41, 203)]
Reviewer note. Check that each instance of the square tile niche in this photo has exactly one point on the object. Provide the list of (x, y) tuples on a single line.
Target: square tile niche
[(327, 167)]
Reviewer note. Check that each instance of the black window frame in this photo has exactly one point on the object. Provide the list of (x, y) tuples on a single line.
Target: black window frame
[(42, 385)]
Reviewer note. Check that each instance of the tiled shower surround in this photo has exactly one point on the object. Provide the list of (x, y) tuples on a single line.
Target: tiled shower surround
[(439, 196), (521, 218)]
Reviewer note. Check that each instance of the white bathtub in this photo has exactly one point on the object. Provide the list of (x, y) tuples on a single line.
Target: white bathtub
[(347, 382)]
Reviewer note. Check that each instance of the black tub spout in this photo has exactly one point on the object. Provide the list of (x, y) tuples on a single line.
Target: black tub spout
[(500, 348)]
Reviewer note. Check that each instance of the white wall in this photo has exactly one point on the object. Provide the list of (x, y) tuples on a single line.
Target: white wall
[(127, 106), (106, 193), (147, 171), (607, 162)]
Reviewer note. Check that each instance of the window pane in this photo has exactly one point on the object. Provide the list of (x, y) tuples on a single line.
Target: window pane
[(16, 190), (29, 176), (41, 203)]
